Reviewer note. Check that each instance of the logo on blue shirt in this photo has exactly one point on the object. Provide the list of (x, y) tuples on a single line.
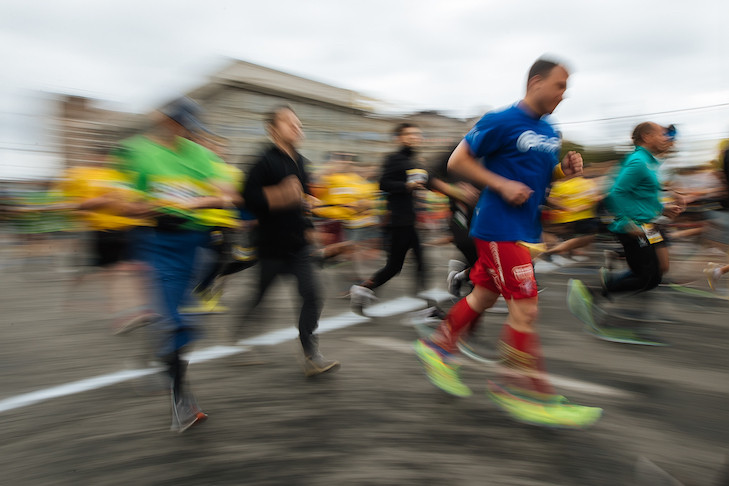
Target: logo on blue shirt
[(530, 140)]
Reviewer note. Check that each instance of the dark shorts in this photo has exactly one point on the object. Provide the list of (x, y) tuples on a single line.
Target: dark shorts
[(111, 247), (581, 227)]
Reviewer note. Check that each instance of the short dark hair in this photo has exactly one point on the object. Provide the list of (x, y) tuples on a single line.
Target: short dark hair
[(542, 67), (401, 127), (269, 119), (641, 130)]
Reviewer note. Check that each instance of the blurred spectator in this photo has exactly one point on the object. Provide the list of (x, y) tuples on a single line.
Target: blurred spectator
[(102, 197), (573, 213)]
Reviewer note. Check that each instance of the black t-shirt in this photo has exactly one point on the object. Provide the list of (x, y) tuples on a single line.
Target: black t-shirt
[(400, 200), (459, 210), (279, 233)]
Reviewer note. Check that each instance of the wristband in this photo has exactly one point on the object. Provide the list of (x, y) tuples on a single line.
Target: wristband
[(557, 172)]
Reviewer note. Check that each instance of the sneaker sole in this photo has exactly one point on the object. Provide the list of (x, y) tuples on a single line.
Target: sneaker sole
[(134, 324), (199, 418), (330, 369), (534, 413), (431, 371), (624, 337)]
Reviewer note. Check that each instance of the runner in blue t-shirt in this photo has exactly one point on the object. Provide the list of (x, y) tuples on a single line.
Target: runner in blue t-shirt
[(513, 154)]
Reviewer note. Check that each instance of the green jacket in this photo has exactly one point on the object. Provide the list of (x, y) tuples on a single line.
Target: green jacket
[(635, 195)]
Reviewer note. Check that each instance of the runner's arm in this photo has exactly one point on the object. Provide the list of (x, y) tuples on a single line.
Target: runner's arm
[(463, 162)]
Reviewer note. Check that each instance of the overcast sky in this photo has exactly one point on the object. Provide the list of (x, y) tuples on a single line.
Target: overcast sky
[(459, 56)]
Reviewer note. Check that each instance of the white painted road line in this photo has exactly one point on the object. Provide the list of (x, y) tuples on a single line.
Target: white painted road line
[(26, 399), (385, 309)]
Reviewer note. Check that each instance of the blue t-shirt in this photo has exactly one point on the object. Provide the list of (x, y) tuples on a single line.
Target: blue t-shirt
[(513, 144)]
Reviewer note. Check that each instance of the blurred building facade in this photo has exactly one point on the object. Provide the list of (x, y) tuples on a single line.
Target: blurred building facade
[(236, 100), (85, 130)]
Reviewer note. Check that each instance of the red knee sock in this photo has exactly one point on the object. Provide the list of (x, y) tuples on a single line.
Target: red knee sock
[(460, 318), (522, 355)]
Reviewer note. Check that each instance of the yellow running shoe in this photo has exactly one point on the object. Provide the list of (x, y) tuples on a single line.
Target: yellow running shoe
[(440, 369), (560, 414)]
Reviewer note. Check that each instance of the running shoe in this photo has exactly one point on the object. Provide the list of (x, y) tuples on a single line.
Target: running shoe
[(212, 300), (713, 274), (441, 369), (556, 414), (360, 298), (533, 395), (316, 364), (431, 315), (455, 279), (185, 413), (580, 302), (207, 302), (198, 308), (124, 325), (626, 335)]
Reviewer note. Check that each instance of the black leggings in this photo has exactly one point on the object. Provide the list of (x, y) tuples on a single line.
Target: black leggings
[(645, 269), (463, 241), (401, 239), (301, 266)]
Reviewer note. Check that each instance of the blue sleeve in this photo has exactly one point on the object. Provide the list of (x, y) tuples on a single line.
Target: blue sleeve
[(485, 137)]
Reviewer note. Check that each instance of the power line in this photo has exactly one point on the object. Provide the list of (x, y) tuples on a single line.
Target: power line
[(622, 117)]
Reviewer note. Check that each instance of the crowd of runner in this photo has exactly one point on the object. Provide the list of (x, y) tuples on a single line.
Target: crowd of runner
[(149, 205)]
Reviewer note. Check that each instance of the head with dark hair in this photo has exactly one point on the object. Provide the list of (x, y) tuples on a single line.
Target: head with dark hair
[(541, 67), (651, 136), (284, 127), (401, 127), (408, 134), (270, 117), (546, 84), (641, 131)]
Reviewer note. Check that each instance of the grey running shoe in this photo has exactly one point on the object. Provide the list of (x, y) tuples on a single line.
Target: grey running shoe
[(713, 274), (455, 278), (127, 324), (431, 315), (316, 364), (360, 298), (185, 413)]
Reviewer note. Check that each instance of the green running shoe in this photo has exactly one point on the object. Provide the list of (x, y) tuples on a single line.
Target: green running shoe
[(440, 369), (544, 414), (580, 303)]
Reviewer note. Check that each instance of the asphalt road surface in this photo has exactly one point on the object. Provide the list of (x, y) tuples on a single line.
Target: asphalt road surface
[(376, 421)]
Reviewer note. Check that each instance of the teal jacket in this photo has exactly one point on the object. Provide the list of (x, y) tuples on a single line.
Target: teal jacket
[(635, 195)]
